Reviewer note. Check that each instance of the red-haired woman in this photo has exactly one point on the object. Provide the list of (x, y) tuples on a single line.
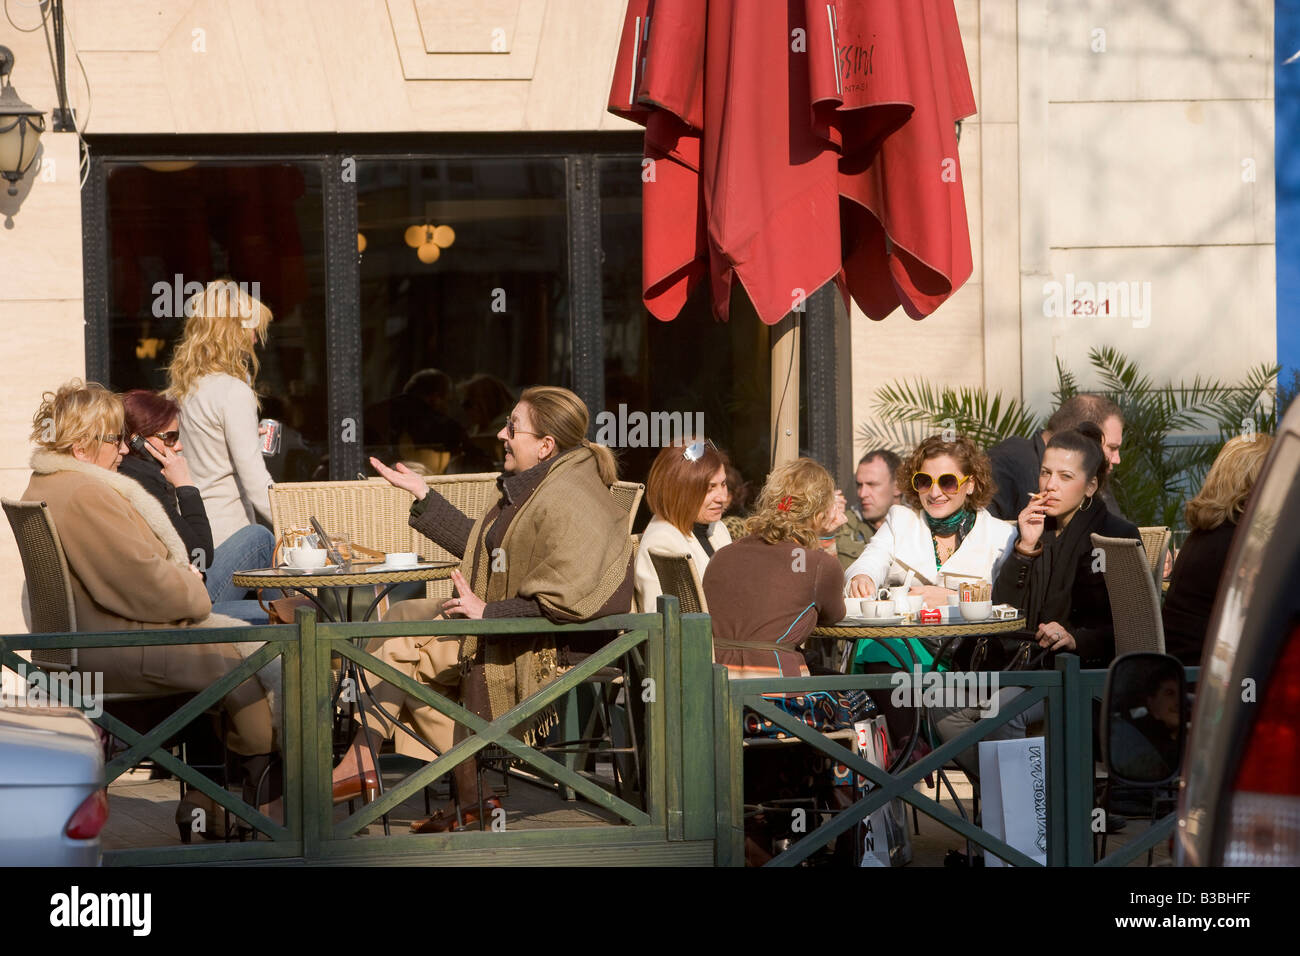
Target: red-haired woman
[(160, 467), (687, 493)]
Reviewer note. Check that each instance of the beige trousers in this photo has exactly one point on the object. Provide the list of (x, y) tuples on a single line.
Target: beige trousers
[(433, 662)]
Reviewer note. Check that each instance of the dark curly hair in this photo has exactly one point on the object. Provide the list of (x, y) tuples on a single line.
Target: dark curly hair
[(968, 455)]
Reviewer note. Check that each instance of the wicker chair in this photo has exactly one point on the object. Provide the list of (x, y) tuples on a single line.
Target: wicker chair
[(53, 610), (1155, 542), (628, 496), (678, 577), (51, 603), (1134, 601), (373, 513)]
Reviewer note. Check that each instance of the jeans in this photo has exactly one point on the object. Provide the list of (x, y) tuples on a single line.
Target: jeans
[(249, 611), (249, 547)]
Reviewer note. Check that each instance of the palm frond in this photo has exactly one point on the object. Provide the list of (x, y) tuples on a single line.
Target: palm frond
[(985, 419), (899, 437)]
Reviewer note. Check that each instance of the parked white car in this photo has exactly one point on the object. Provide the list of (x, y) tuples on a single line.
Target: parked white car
[(52, 798)]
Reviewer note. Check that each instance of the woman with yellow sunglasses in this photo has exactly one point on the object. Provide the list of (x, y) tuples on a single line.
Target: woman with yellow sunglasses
[(942, 529)]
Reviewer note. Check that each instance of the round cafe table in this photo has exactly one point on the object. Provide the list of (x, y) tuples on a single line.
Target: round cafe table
[(845, 631), (853, 631), (384, 579), (304, 582)]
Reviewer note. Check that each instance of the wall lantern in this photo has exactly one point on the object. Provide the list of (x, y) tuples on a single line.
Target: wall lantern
[(21, 127)]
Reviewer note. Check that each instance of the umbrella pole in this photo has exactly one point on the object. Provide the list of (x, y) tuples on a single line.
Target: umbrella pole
[(784, 337)]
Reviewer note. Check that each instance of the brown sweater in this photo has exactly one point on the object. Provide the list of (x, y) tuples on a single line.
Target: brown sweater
[(771, 594)]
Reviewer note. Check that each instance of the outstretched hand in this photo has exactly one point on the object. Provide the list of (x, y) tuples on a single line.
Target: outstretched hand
[(401, 477)]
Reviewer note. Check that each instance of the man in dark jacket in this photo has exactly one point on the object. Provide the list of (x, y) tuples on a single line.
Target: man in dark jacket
[(1016, 460)]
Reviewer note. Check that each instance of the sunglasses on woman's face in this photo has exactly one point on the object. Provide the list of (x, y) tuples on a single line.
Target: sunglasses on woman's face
[(695, 450), (948, 482), (168, 438), (512, 431)]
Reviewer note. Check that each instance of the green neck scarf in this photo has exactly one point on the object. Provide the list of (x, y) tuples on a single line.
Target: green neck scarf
[(959, 523)]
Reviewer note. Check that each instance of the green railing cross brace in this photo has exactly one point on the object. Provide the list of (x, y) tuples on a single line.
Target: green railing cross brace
[(890, 786), (495, 732), (149, 744)]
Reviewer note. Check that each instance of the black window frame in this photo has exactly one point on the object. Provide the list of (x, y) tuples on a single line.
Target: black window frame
[(825, 352)]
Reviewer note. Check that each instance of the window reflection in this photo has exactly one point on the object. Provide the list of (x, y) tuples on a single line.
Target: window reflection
[(449, 338), (174, 224)]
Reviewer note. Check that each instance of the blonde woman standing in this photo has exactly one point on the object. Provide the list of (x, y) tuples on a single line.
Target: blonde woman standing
[(211, 377)]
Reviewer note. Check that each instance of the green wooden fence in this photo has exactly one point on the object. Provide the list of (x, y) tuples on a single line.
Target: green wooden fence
[(693, 800), (1069, 694), (675, 826)]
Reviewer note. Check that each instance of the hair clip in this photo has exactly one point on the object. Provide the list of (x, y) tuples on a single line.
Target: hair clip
[(784, 503)]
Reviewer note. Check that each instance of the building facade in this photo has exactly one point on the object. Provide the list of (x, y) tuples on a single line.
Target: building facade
[(1118, 179)]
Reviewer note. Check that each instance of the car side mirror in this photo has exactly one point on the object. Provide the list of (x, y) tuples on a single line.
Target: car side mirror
[(1144, 718)]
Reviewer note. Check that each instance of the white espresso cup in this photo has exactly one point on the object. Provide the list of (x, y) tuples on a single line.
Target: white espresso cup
[(400, 559), (305, 559)]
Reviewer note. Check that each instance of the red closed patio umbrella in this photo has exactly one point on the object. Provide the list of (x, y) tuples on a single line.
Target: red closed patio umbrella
[(792, 139), (795, 142)]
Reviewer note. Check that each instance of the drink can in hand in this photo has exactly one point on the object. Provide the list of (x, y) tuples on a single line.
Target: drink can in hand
[(271, 436)]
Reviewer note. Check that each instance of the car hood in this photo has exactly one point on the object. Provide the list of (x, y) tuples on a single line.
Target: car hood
[(48, 746)]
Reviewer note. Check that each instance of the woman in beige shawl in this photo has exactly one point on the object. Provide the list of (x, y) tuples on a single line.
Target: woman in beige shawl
[(554, 546)]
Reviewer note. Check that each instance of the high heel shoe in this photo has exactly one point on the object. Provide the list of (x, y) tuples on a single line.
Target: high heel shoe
[(350, 788), (446, 822)]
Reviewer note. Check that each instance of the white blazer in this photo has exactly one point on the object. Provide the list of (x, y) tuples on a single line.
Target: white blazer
[(660, 534), (219, 429), (905, 535)]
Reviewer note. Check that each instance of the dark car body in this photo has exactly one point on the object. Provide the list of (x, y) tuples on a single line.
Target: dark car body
[(1240, 799)]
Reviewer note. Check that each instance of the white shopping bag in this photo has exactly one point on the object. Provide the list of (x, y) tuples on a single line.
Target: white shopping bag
[(885, 840), (1013, 787)]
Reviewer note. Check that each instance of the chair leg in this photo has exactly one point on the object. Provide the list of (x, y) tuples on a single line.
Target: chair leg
[(570, 731), (629, 688), (609, 706)]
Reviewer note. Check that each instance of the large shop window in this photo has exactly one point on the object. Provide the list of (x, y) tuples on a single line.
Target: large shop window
[(694, 364), (181, 223), (464, 301)]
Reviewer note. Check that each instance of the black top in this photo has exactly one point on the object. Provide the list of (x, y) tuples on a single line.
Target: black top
[(1016, 462), (1089, 618), (702, 536), (184, 506), (1192, 590)]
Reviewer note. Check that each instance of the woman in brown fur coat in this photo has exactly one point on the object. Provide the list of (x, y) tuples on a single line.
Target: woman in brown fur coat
[(128, 566)]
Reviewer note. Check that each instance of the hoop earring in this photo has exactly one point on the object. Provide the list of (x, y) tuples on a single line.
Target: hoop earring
[(1087, 503)]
